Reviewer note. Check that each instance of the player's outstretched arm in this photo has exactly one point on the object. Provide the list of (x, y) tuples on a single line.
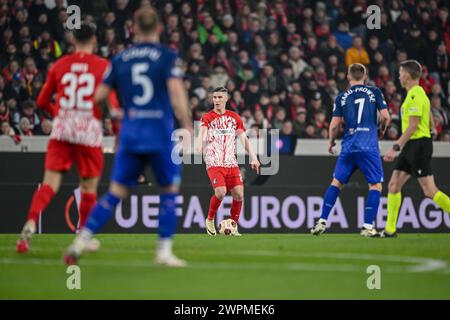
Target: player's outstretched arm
[(248, 147), (432, 124), (404, 138), (45, 96), (201, 137), (333, 132), (385, 119), (101, 97), (102, 94), (179, 100)]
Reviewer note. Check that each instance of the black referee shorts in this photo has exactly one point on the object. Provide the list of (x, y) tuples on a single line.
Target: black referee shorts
[(415, 158)]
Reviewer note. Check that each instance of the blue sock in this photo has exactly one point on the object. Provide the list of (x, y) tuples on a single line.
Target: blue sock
[(167, 216), (371, 209), (329, 201), (102, 212)]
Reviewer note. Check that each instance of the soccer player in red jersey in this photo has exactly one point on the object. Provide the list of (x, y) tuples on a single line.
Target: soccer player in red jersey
[(221, 127), (77, 129)]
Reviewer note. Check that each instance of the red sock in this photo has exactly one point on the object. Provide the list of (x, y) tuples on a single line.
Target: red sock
[(87, 202), (40, 201), (214, 205), (236, 210)]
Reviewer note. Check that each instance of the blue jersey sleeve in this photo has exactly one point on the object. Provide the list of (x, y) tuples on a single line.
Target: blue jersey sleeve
[(173, 67), (109, 77), (337, 107), (381, 103)]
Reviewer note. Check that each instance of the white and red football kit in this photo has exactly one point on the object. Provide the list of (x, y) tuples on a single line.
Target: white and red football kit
[(77, 127), (220, 157)]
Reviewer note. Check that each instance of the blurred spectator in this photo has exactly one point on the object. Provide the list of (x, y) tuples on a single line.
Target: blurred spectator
[(343, 36), (437, 109), (282, 61), (45, 128), (209, 28), (28, 111), (108, 127), (260, 120), (300, 124), (25, 127), (393, 133), (296, 61), (219, 76), (279, 119), (5, 114), (415, 45), (357, 53), (287, 128), (445, 136), (7, 129)]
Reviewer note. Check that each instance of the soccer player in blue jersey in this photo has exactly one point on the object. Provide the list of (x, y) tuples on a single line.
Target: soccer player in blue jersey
[(357, 108), (148, 81)]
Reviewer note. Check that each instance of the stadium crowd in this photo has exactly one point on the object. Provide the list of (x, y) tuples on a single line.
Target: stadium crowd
[(283, 62)]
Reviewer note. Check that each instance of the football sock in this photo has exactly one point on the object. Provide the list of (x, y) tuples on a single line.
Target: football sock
[(214, 205), (167, 215), (41, 198), (236, 210), (329, 201), (102, 212), (393, 206), (442, 200), (86, 205), (164, 246), (372, 204)]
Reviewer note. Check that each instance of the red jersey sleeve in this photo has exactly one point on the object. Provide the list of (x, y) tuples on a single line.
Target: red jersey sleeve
[(239, 125), (205, 120), (47, 91)]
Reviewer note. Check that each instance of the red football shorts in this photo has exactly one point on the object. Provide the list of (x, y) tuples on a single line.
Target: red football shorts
[(225, 177), (61, 155)]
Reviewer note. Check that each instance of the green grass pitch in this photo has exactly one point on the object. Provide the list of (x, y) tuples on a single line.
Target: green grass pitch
[(256, 266)]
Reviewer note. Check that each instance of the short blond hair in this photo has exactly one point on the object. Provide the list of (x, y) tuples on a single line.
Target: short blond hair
[(357, 71), (146, 19)]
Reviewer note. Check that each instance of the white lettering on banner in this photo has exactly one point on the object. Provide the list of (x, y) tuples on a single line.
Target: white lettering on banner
[(337, 215), (132, 220), (270, 212), (287, 203), (382, 214), (223, 211), (253, 221), (194, 213), (447, 219), (360, 211), (270, 207), (435, 215), (314, 210), (150, 214), (407, 214), (380, 220)]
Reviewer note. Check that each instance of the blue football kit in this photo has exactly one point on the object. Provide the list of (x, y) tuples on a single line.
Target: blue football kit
[(139, 75), (358, 106)]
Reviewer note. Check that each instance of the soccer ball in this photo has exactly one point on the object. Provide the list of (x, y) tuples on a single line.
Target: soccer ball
[(227, 227)]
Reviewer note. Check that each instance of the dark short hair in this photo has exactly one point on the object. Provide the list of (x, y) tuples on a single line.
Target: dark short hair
[(357, 71), (28, 104), (413, 67), (146, 19), (220, 89), (85, 33)]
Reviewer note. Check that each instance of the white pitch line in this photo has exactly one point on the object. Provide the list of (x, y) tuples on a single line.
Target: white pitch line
[(422, 264), (195, 265)]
